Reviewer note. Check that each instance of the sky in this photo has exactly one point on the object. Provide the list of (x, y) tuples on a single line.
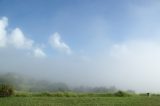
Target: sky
[(83, 42)]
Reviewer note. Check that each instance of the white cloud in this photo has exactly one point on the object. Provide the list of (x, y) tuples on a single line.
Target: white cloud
[(18, 40), (39, 53), (56, 42), (3, 32)]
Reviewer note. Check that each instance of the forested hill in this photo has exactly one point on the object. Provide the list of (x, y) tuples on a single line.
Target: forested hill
[(23, 83)]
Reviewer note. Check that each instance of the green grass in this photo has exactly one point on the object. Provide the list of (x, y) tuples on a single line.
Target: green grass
[(80, 101)]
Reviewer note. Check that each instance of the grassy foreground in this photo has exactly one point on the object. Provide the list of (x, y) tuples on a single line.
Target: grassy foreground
[(80, 101)]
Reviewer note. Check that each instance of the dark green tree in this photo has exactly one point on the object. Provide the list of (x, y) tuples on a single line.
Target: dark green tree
[(6, 90)]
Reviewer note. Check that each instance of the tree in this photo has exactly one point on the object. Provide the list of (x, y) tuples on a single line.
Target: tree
[(6, 90)]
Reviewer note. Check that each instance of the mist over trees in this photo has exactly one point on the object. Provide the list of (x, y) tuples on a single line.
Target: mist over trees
[(23, 83)]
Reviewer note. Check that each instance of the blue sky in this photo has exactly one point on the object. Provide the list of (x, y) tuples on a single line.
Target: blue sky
[(107, 42), (75, 20)]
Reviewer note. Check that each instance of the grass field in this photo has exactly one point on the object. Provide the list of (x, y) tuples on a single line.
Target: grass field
[(80, 101)]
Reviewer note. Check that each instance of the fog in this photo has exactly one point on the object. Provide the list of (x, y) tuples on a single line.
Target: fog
[(126, 67), (131, 62)]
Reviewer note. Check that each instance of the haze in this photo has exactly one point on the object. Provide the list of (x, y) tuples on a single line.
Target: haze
[(83, 42)]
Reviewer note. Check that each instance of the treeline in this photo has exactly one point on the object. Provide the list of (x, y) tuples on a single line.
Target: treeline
[(22, 83), (72, 94)]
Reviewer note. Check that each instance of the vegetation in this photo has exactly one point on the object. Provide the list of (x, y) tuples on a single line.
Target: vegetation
[(6, 90), (121, 94), (22, 83), (80, 101), (71, 94), (30, 92)]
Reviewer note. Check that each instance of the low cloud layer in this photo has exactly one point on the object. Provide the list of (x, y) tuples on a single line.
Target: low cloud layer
[(137, 64)]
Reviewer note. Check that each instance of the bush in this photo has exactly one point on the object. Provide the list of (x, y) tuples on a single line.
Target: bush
[(121, 94), (39, 94), (6, 90), (145, 94)]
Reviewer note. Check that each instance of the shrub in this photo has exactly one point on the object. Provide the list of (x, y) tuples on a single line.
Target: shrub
[(6, 90), (121, 94), (145, 94), (42, 94)]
